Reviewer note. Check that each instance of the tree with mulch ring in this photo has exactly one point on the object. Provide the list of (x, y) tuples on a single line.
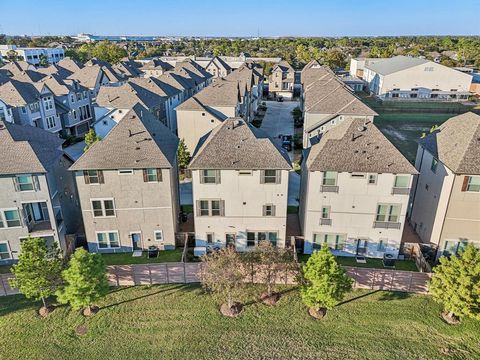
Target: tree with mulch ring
[(456, 285), (271, 264), (85, 282), (324, 283), (38, 271), (223, 276)]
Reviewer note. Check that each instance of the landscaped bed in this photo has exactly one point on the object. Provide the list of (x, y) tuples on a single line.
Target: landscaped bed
[(406, 265), (181, 322), (127, 258)]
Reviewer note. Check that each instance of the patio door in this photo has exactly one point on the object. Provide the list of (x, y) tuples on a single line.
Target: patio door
[(230, 240), (136, 240), (362, 247)]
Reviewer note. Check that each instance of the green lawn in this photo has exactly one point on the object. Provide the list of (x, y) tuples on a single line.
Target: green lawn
[(181, 322), (406, 265), (127, 258)]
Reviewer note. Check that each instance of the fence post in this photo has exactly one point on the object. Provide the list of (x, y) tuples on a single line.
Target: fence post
[(150, 274), (286, 276), (166, 270), (116, 275), (410, 282), (393, 278), (184, 274), (373, 278)]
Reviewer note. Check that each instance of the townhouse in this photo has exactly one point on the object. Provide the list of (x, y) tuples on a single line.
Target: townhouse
[(128, 186), (282, 80), (33, 55), (445, 200), (354, 192), (37, 193), (326, 101), (155, 67), (30, 104), (93, 77), (240, 188), (217, 67)]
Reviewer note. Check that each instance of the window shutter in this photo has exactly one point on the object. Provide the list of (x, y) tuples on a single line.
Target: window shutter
[(217, 177), (100, 177), (36, 183), (15, 183), (200, 173), (145, 175), (262, 176), (85, 176), (278, 176), (198, 207), (465, 183), (222, 207), (264, 210), (273, 210), (159, 175)]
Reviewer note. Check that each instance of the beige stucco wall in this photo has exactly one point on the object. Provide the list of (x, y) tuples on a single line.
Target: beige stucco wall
[(244, 198), (139, 207)]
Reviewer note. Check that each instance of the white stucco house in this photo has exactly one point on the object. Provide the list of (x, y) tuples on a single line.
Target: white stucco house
[(240, 188), (354, 192)]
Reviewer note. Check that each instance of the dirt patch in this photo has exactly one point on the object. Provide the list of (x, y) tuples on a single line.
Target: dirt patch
[(233, 311), (81, 330), (45, 311), (451, 320), (270, 300), (90, 310), (317, 313)]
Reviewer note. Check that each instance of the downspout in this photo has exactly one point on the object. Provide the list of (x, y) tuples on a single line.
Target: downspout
[(416, 184)]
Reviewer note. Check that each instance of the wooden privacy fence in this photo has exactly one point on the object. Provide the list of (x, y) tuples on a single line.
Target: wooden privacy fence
[(186, 273)]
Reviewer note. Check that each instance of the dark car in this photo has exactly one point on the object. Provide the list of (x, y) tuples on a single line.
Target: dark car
[(287, 142), (280, 99)]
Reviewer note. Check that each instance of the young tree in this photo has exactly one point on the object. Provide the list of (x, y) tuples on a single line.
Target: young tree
[(272, 263), (222, 274), (183, 155), (42, 60), (90, 138), (85, 281), (37, 273), (456, 285), (324, 282)]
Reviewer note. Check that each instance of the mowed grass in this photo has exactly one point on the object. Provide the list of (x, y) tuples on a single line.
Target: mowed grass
[(181, 322), (404, 265), (127, 258)]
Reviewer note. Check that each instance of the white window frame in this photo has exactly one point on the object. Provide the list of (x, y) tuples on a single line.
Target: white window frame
[(9, 251), (469, 184), (3, 219), (374, 177), (102, 201), (387, 214), (161, 235), (20, 184), (108, 239)]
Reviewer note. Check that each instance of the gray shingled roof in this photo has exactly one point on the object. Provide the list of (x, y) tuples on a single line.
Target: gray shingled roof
[(221, 93), (27, 149), (138, 141), (356, 146), (284, 66), (127, 96), (395, 64), (70, 64), (237, 145), (456, 144), (17, 93)]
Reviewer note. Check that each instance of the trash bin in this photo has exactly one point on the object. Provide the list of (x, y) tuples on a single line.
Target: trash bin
[(152, 252)]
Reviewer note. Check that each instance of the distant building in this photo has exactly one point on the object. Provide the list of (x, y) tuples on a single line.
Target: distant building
[(218, 68), (408, 78), (445, 199), (32, 55), (282, 80)]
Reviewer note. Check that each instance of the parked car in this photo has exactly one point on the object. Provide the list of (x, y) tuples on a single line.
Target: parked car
[(280, 99), (287, 141)]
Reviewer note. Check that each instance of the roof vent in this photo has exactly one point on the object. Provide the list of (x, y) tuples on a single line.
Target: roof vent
[(362, 128)]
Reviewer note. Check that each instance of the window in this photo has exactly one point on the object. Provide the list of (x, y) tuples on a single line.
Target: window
[(215, 208), (358, 175), (93, 176), (108, 239), (210, 208), (250, 239), (269, 210), (72, 98), (254, 237), (48, 103), (334, 241), (4, 251), (372, 179), (388, 213), (230, 239), (210, 177), (329, 178), (434, 164), (402, 181), (158, 235), (210, 238), (152, 175), (51, 123), (325, 212), (25, 183), (125, 172), (103, 208), (11, 218), (203, 208), (471, 183), (270, 177)]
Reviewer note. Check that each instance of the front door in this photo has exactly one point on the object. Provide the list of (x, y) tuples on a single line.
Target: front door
[(136, 241), (361, 247)]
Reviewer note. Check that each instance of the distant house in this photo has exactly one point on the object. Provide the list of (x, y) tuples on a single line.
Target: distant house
[(327, 101), (409, 78), (128, 186), (94, 76), (282, 79), (218, 68), (240, 188), (354, 192), (155, 67), (37, 193), (445, 200)]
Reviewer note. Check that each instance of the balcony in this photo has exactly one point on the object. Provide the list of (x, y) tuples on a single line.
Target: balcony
[(325, 221), (36, 218), (400, 191), (329, 188), (386, 225)]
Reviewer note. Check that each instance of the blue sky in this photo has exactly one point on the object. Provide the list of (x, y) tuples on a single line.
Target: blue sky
[(241, 18)]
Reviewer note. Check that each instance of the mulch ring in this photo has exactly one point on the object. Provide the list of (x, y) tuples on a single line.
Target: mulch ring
[(81, 330), (233, 311), (45, 311), (90, 310), (317, 313), (454, 320), (270, 300)]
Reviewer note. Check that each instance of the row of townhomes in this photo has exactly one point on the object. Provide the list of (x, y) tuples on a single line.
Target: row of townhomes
[(358, 193)]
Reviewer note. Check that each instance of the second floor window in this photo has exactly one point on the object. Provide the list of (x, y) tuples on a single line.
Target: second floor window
[(210, 176), (325, 212), (211, 208), (434, 164), (93, 176), (402, 181), (388, 213), (471, 183), (48, 103), (25, 183), (270, 177), (51, 123), (152, 175), (103, 208), (10, 218), (329, 178), (269, 210)]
